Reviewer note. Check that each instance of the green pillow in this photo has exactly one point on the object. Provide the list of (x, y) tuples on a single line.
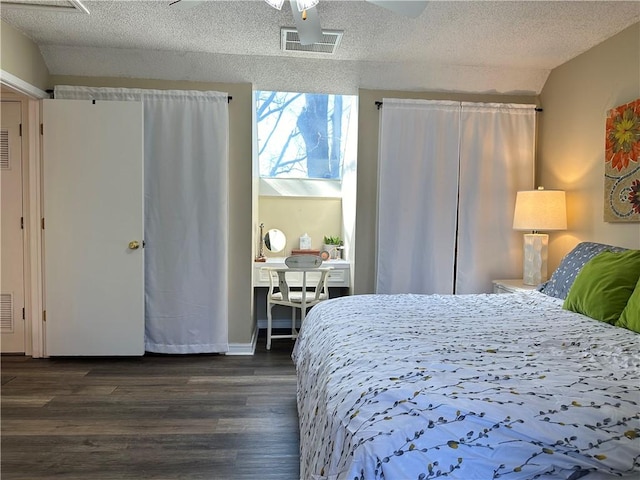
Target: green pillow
[(630, 317), (603, 286)]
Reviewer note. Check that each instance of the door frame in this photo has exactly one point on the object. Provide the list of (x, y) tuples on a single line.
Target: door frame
[(29, 97)]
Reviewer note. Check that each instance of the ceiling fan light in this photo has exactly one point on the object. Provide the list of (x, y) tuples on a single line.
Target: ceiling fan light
[(277, 4), (306, 4)]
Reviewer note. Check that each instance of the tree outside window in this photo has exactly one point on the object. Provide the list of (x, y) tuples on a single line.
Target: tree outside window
[(303, 135)]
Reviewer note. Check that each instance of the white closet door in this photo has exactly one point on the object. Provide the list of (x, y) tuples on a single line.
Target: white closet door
[(93, 208), (12, 324)]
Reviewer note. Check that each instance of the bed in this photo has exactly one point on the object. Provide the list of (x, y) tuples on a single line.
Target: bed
[(469, 386)]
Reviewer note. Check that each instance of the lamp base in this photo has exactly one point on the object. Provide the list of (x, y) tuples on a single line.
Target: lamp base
[(534, 265)]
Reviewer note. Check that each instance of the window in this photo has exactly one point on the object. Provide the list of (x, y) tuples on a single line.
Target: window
[(305, 135)]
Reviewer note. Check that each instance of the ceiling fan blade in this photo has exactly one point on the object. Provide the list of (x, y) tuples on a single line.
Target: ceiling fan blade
[(182, 4), (309, 30), (408, 8)]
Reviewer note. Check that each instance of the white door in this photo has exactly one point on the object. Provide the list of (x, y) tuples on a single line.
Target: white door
[(93, 210), (12, 247)]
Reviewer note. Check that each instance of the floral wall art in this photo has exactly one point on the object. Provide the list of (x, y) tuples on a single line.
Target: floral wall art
[(622, 164)]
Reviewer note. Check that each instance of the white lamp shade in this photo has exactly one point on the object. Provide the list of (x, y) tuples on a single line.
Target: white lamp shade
[(540, 210)]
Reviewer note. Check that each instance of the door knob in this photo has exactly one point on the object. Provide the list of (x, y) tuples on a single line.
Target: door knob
[(134, 245)]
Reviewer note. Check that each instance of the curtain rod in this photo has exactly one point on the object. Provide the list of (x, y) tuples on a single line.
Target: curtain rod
[(379, 106), (51, 92)]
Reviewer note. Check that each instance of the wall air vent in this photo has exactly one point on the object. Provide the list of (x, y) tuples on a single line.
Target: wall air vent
[(53, 5), (4, 149), (290, 41), (6, 312)]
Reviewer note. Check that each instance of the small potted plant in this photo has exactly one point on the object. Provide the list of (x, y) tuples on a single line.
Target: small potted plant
[(332, 245)]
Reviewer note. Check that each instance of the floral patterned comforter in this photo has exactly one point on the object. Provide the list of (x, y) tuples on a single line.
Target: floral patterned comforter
[(465, 387)]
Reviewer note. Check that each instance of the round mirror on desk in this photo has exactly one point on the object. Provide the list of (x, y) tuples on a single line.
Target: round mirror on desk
[(275, 240)]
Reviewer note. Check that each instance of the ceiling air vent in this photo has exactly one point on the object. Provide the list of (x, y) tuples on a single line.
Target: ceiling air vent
[(290, 41)]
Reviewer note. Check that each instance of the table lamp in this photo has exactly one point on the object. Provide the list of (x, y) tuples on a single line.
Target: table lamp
[(538, 210)]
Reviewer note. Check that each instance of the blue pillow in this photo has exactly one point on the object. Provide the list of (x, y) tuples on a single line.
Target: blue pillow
[(561, 280)]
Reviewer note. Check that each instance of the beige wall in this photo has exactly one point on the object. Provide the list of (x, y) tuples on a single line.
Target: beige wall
[(241, 323), (296, 216), (575, 99), (365, 244), (21, 57), (571, 143)]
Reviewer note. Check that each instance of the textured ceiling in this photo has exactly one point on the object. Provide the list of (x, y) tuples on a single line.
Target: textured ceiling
[(477, 46)]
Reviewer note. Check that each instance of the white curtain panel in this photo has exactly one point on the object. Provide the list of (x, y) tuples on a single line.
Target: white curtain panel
[(417, 196), (448, 177), (497, 148), (348, 190), (186, 215)]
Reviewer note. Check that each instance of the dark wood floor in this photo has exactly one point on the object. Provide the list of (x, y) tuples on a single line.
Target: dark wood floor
[(155, 417)]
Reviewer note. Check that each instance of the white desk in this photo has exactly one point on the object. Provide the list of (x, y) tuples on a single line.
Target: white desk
[(338, 280), (339, 276)]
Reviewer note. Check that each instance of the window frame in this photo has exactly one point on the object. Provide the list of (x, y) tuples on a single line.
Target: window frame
[(305, 186)]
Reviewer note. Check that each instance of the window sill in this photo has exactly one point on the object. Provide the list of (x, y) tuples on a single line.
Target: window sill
[(300, 187)]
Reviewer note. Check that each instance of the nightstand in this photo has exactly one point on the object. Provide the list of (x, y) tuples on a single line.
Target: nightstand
[(511, 286)]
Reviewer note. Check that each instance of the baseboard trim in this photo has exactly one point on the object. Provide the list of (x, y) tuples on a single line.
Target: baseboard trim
[(244, 348), (250, 348)]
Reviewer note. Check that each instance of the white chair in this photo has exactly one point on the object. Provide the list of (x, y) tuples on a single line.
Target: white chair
[(301, 285)]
